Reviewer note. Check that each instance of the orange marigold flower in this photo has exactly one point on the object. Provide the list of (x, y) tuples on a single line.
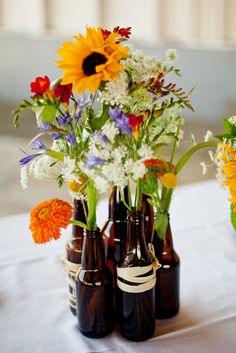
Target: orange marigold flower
[(47, 218), (155, 163), (40, 85)]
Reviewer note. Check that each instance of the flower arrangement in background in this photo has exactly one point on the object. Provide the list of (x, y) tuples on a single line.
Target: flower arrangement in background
[(225, 159), (113, 119)]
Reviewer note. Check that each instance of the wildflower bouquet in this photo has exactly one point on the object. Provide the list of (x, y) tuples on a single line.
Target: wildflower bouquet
[(225, 160), (112, 119)]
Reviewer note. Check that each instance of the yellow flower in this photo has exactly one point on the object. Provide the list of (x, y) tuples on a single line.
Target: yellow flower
[(77, 185), (169, 180), (91, 60)]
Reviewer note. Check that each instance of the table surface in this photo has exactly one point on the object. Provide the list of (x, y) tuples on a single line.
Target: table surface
[(34, 315)]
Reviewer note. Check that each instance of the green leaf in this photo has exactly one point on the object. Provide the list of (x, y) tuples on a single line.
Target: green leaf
[(60, 180), (45, 113), (184, 159), (150, 184), (78, 223), (233, 216), (54, 154), (230, 129), (161, 224), (96, 123)]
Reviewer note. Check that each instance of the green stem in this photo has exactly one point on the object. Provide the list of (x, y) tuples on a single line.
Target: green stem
[(138, 196), (129, 195), (175, 144), (85, 209), (92, 199), (123, 199)]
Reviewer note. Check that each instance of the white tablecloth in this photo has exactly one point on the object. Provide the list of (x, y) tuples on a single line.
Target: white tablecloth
[(34, 315)]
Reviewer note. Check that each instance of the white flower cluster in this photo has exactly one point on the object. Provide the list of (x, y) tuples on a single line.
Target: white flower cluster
[(169, 121), (116, 92), (118, 166), (142, 67), (41, 168)]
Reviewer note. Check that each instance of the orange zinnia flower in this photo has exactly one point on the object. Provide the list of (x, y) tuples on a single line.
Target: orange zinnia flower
[(47, 218)]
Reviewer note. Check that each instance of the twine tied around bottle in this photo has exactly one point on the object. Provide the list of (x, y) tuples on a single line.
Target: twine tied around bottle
[(138, 279), (72, 270)]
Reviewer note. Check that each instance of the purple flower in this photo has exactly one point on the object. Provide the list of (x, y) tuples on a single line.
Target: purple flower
[(28, 158), (38, 145), (78, 116), (84, 100), (45, 127), (57, 136), (121, 120), (93, 161), (154, 97), (71, 138), (63, 120)]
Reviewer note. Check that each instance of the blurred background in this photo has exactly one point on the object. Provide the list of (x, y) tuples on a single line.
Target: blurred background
[(31, 31)]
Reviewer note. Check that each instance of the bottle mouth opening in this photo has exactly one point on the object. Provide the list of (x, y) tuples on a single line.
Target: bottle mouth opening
[(135, 215), (92, 232)]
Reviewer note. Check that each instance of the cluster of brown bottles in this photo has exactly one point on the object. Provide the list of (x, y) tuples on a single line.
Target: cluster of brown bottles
[(122, 242)]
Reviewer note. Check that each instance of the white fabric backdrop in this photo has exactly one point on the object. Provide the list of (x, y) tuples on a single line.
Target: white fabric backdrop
[(34, 314)]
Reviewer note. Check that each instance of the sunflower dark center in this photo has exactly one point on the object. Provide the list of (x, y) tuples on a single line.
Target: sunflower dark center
[(91, 61)]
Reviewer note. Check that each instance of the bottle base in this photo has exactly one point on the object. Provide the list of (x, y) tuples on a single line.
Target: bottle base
[(96, 334), (166, 314)]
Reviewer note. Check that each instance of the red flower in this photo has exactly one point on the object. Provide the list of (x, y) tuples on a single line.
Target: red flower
[(155, 163), (40, 85), (105, 33), (163, 165), (135, 121), (62, 92), (123, 32)]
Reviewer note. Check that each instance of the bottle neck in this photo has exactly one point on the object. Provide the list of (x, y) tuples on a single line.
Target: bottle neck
[(93, 253), (164, 245), (135, 230), (78, 215), (117, 209)]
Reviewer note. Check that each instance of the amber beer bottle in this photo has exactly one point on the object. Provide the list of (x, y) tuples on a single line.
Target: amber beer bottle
[(136, 310), (94, 289), (114, 230), (74, 247), (149, 219), (168, 276)]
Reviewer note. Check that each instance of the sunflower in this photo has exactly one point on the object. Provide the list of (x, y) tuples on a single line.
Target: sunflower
[(47, 218), (91, 59)]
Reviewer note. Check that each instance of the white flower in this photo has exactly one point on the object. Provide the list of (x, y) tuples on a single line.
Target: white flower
[(145, 152), (115, 92), (232, 120), (208, 136), (171, 55), (204, 168), (24, 177), (68, 169), (211, 155), (193, 140), (135, 168), (114, 174), (141, 67), (119, 153), (45, 167), (101, 184), (110, 130)]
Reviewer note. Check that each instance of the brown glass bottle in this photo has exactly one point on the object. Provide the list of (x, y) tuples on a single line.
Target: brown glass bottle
[(94, 289), (74, 245), (114, 230), (136, 310), (168, 276), (148, 218)]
